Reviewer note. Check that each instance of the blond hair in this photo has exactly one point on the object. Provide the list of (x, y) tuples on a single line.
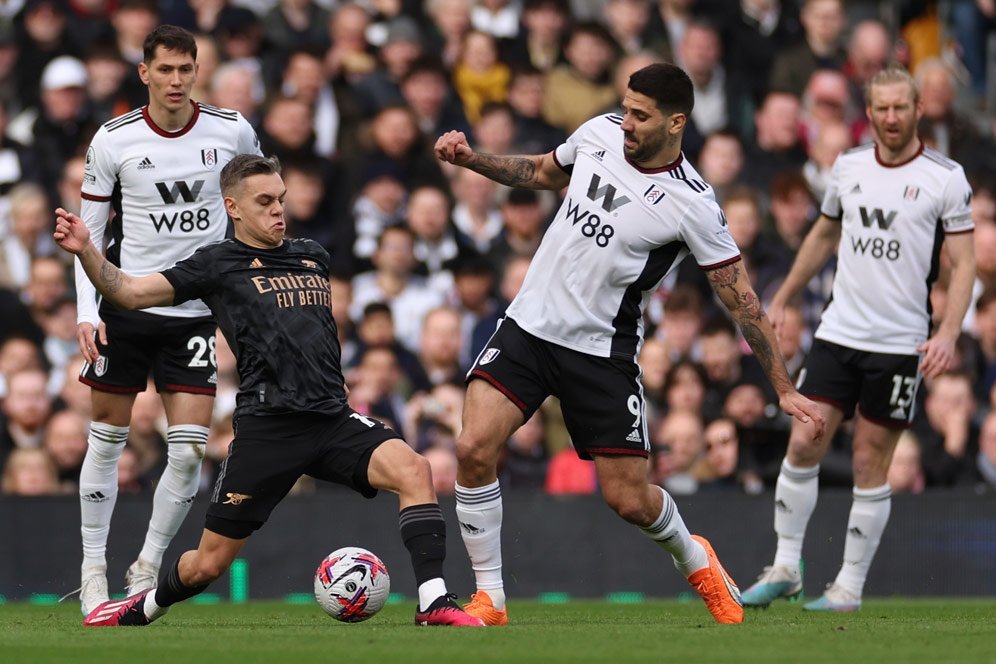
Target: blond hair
[(894, 73)]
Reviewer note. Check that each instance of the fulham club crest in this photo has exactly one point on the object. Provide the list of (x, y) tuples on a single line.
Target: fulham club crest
[(100, 366), (653, 195), (489, 355), (209, 157), (911, 193)]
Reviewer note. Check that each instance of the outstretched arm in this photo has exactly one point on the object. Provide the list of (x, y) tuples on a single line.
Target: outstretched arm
[(523, 171), (734, 289), (123, 290)]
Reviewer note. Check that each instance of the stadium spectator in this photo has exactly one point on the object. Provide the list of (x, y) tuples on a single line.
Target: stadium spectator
[(304, 79), (393, 282), (721, 457), (982, 359), (827, 101), (208, 61), (29, 472), (680, 322), (512, 275), (349, 58), (375, 388), (47, 36), (307, 205), (494, 131), (106, 72), (65, 442), (293, 24), (822, 152), (433, 417), (129, 478), (393, 143), (425, 88), (18, 164), (955, 134), (288, 129), (715, 99), (524, 464), (478, 74), (451, 22), (379, 204), (792, 209), (668, 22), (627, 21), (721, 161), (131, 21), (71, 183), (949, 437), (443, 463), (29, 222), (677, 448), (776, 145), (11, 95), (476, 214), (762, 259), (869, 50), (72, 394), (473, 297), (238, 86), (685, 389), (401, 47), (438, 248), (499, 18), (905, 472), (523, 224), (655, 364), (823, 22), (533, 134), (582, 86), (25, 408), (376, 330), (440, 344), (539, 45)]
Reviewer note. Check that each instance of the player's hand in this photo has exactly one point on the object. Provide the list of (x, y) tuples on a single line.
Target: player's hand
[(938, 355), (86, 337), (70, 232), (805, 410), (453, 147)]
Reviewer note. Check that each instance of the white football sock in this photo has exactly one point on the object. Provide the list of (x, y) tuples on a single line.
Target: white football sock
[(151, 609), (99, 489), (176, 489), (795, 500), (670, 533), (479, 513), (869, 514), (430, 591)]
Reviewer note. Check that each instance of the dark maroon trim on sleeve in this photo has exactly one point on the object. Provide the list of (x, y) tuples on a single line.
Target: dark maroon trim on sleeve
[(728, 261), (565, 169)]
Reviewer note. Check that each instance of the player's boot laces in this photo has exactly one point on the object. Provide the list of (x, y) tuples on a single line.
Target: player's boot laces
[(92, 590), (481, 606), (141, 576), (774, 582), (835, 598), (445, 611)]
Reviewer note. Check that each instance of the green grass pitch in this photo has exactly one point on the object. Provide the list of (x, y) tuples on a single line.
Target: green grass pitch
[(894, 630)]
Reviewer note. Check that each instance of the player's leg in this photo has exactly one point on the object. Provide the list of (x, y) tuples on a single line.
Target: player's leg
[(395, 467), (489, 419), (623, 480), (187, 577), (99, 489), (872, 501), (183, 369), (828, 379)]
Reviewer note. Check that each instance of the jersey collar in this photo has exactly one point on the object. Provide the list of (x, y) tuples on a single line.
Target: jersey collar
[(902, 163), (661, 169), (172, 134)]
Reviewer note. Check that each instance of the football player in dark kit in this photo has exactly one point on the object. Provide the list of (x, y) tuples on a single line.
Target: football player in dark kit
[(270, 297)]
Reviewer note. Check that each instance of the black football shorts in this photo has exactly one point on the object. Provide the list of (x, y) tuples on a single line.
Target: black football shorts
[(179, 353), (882, 386), (270, 453), (601, 397)]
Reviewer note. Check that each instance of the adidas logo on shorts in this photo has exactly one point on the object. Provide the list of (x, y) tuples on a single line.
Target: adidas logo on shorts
[(634, 436)]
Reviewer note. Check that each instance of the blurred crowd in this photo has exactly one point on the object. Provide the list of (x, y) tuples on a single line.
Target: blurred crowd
[(351, 97)]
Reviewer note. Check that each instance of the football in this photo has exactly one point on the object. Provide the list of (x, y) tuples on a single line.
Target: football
[(351, 584)]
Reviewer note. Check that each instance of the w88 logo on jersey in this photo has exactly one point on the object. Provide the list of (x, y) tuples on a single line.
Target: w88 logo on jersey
[(590, 224)]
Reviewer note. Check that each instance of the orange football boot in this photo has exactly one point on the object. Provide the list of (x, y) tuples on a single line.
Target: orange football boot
[(721, 595), (481, 606)]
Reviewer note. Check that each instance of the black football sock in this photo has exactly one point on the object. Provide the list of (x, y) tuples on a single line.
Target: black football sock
[(171, 589), (424, 534)]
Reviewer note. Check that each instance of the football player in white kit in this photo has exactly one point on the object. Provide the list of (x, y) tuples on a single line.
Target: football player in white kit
[(634, 209), (158, 166), (891, 205)]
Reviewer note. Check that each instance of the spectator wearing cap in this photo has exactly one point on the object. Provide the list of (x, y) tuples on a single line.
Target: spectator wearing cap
[(401, 47), (823, 22), (46, 37), (57, 129), (579, 89), (425, 88), (293, 24)]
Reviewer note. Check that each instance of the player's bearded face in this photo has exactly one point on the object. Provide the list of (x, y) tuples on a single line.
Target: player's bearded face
[(645, 128), (893, 114)]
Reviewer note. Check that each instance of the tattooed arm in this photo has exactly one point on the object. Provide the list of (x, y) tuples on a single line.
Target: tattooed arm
[(121, 289), (731, 284), (526, 172)]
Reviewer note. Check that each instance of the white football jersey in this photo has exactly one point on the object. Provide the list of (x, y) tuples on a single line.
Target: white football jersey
[(620, 230), (164, 187), (893, 221)]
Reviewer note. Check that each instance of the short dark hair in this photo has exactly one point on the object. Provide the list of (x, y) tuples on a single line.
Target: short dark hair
[(171, 38), (668, 85), (243, 166)]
